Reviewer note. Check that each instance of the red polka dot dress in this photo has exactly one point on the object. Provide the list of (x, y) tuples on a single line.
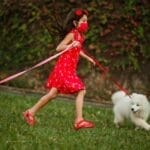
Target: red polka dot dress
[(64, 76)]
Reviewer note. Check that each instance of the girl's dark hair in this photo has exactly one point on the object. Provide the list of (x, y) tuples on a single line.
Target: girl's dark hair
[(61, 27), (73, 15)]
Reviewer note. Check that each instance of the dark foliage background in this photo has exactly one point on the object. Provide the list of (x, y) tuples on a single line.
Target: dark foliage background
[(118, 37)]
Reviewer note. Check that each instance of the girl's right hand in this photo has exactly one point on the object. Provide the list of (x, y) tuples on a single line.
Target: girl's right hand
[(76, 44)]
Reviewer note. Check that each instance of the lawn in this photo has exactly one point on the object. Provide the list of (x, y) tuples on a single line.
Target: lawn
[(54, 130)]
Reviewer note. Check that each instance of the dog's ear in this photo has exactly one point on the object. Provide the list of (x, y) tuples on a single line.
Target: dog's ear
[(133, 95), (143, 97)]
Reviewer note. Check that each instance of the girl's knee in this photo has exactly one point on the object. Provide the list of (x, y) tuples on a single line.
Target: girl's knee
[(82, 92), (52, 94)]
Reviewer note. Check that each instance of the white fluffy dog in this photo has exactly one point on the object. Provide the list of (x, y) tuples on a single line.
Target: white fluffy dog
[(135, 107)]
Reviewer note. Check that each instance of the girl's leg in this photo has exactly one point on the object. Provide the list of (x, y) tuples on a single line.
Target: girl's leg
[(29, 114), (43, 101), (79, 105), (79, 121)]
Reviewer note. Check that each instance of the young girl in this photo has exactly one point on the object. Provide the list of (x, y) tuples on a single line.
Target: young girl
[(63, 78)]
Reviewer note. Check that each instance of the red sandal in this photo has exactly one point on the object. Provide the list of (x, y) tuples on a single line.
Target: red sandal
[(29, 118), (84, 124)]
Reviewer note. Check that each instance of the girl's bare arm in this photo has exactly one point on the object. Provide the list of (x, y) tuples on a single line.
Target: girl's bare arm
[(87, 57), (65, 42)]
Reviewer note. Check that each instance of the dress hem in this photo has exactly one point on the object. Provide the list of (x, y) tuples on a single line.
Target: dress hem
[(61, 92)]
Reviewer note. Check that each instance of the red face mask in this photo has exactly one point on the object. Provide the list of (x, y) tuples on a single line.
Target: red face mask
[(83, 27)]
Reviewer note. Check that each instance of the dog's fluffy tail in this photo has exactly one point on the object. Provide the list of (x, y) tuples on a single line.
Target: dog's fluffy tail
[(117, 96)]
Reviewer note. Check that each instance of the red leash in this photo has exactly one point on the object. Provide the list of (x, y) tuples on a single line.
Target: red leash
[(100, 66), (35, 66), (105, 71)]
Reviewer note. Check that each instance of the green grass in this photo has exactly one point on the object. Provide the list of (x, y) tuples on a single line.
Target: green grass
[(54, 130)]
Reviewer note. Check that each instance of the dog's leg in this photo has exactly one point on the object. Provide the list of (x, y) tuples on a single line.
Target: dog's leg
[(141, 123), (118, 120), (137, 128)]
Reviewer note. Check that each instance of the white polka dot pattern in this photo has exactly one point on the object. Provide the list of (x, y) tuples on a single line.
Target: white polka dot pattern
[(64, 76)]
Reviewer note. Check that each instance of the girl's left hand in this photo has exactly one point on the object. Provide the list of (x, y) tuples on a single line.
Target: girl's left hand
[(93, 62)]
